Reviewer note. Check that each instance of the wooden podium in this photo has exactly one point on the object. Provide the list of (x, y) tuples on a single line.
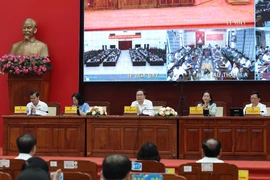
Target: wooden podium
[(19, 88)]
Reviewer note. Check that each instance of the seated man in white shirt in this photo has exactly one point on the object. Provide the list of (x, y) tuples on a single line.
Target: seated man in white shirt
[(255, 98), (116, 167), (211, 151), (36, 107), (145, 106), (26, 144)]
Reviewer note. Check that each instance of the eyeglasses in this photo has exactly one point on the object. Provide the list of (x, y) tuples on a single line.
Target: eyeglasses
[(139, 94)]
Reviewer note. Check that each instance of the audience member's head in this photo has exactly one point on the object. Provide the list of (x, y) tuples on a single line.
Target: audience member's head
[(33, 174), (211, 148), (116, 167), (26, 143), (148, 151), (35, 162)]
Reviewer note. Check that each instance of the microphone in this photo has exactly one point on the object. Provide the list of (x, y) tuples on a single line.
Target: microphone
[(145, 109)]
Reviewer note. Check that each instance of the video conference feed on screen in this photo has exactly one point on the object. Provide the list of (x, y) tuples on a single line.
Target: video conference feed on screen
[(127, 41), (262, 12), (262, 70), (171, 55)]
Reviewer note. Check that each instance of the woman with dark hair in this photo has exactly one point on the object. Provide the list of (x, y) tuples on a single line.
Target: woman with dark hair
[(81, 105), (36, 163), (148, 151), (208, 103)]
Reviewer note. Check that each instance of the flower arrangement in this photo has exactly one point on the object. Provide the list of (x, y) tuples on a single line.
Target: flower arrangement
[(166, 112), (25, 64), (96, 111)]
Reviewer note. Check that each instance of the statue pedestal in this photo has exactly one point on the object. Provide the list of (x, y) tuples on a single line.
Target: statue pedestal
[(19, 88)]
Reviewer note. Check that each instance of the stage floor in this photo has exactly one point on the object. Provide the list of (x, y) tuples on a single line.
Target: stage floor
[(211, 14), (258, 170)]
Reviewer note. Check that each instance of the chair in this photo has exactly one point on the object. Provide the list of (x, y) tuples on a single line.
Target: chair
[(72, 166), (14, 168), (53, 108), (158, 104), (5, 176), (76, 175), (206, 171), (221, 108), (151, 166), (104, 104)]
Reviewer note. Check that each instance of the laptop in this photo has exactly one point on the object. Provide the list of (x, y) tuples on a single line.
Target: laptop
[(236, 111)]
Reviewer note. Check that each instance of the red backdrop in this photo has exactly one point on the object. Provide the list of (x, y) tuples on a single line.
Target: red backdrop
[(58, 26)]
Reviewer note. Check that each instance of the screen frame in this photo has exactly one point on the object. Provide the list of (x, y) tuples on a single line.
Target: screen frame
[(81, 59)]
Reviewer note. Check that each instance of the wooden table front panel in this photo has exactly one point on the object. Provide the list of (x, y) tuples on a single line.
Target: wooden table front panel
[(126, 134), (241, 137), (55, 136)]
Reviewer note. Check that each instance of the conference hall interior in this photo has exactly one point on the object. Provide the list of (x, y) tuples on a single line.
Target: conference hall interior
[(120, 55), (262, 13), (211, 54), (262, 68), (142, 14)]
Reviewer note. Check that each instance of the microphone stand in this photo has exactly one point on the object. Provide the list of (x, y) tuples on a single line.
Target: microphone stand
[(182, 104)]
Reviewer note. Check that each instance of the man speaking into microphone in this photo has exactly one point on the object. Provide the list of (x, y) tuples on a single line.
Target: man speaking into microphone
[(144, 106), (36, 107)]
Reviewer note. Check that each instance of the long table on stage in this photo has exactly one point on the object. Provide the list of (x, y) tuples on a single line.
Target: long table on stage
[(175, 137)]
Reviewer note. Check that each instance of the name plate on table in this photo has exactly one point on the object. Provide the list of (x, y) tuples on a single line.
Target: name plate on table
[(20, 109), (130, 109), (70, 110), (196, 110), (253, 110)]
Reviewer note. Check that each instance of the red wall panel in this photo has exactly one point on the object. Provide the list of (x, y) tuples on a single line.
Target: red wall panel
[(58, 26)]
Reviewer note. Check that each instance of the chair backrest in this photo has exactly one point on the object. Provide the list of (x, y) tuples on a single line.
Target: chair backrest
[(268, 111), (53, 108), (12, 167), (82, 166), (151, 166), (158, 104), (104, 104), (76, 175), (206, 171), (221, 108), (5, 176)]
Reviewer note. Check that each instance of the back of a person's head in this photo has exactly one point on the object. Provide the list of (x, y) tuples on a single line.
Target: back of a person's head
[(26, 142), (211, 147), (116, 167), (148, 151), (35, 162), (33, 174)]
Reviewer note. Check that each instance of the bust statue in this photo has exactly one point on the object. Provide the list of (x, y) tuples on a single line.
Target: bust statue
[(30, 45)]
